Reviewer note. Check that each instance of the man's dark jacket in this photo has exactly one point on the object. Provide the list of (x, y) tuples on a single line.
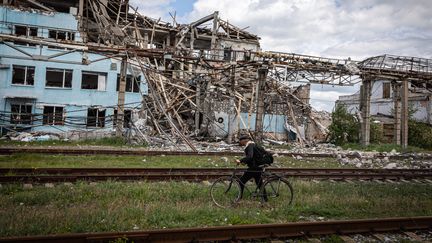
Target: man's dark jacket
[(254, 156)]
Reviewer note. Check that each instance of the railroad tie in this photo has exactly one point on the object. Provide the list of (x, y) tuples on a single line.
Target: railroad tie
[(414, 236), (347, 239)]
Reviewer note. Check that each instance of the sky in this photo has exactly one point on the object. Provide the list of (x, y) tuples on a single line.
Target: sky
[(329, 28)]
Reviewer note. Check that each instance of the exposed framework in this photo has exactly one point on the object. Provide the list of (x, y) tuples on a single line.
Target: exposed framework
[(190, 66)]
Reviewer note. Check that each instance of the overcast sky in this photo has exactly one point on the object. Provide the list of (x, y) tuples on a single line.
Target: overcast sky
[(330, 28)]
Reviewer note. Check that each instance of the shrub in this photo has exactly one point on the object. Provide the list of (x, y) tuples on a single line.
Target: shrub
[(376, 133), (344, 127), (419, 134)]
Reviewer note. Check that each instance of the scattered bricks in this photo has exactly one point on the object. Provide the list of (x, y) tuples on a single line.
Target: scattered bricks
[(49, 185), (28, 186)]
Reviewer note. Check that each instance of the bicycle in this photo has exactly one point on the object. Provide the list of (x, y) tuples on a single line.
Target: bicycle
[(225, 191)]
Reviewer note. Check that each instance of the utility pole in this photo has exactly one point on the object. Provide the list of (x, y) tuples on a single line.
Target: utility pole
[(404, 116), (121, 98), (262, 75)]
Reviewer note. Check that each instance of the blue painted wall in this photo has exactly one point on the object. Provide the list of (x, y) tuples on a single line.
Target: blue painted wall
[(44, 21), (74, 100)]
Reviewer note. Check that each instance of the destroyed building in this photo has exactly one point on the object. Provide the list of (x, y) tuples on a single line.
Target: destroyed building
[(202, 80), (382, 109), (61, 71)]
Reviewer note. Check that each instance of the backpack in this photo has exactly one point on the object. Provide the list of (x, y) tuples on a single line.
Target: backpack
[(266, 157)]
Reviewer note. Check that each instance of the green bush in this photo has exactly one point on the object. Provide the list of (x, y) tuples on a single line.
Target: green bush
[(344, 128), (419, 134), (376, 133)]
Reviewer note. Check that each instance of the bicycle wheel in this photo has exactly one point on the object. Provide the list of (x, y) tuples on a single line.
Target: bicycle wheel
[(225, 192), (277, 189)]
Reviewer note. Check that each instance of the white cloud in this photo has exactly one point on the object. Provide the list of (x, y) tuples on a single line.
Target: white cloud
[(356, 28)]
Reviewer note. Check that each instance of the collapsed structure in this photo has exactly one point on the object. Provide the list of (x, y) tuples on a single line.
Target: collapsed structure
[(170, 81)]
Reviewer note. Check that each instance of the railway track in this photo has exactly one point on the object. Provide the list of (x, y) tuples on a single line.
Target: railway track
[(344, 228), (45, 175), (141, 152)]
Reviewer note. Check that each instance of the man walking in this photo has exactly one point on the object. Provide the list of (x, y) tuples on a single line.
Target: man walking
[(254, 157)]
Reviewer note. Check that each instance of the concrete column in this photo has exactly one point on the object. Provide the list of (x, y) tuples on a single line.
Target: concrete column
[(404, 115), (198, 104), (262, 74), (365, 101), (121, 98), (231, 111), (397, 114)]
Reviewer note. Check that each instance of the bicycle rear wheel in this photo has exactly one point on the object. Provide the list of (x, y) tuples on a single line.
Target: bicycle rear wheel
[(277, 189), (225, 192)]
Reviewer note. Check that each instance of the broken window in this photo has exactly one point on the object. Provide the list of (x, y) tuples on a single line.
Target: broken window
[(127, 118), (61, 35), (132, 84), (33, 31), (20, 30), (92, 80), (227, 54), (23, 75), (21, 114), (53, 115), (386, 90), (61, 78), (95, 118)]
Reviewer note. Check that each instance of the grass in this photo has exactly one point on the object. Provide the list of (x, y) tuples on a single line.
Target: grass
[(109, 141), (382, 147), (118, 206), (25, 160)]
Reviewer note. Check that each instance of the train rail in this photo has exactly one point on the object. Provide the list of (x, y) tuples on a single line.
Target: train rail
[(246, 232), (142, 152), (45, 175)]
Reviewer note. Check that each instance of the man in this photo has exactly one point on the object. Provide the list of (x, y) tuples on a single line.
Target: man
[(254, 158)]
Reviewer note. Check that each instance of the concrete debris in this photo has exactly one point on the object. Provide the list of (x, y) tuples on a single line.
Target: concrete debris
[(49, 185), (33, 136), (27, 186), (391, 166)]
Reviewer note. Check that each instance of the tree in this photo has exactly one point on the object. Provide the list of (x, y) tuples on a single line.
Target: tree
[(344, 127)]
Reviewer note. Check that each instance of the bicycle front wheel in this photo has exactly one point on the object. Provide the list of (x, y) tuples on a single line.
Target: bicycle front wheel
[(225, 192), (277, 189)]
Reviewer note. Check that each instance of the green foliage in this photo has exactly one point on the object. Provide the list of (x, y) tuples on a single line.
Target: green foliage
[(344, 127), (376, 133), (29, 160), (419, 134), (125, 206)]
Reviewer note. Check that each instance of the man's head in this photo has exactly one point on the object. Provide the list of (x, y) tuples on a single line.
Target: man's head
[(243, 140)]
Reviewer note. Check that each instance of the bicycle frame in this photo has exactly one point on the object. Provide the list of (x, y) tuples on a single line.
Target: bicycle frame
[(264, 177)]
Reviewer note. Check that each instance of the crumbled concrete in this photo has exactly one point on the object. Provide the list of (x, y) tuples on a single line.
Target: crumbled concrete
[(206, 183), (27, 186), (49, 185), (391, 166), (224, 159)]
